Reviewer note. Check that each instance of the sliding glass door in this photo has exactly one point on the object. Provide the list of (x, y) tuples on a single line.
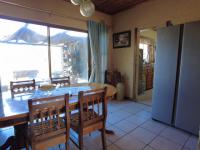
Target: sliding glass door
[(69, 54), (23, 52), (25, 49)]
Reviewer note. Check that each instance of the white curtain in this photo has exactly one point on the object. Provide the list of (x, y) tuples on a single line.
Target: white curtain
[(98, 37)]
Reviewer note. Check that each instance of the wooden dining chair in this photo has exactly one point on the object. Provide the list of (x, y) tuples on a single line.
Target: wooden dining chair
[(49, 122), (18, 87), (60, 81), (91, 115), (113, 77)]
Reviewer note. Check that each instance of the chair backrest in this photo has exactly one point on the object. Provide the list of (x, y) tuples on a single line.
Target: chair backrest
[(113, 77), (92, 104), (60, 81), (17, 87), (109, 77), (49, 117), (117, 77)]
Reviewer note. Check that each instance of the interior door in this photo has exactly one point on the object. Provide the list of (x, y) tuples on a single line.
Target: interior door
[(188, 102), (165, 73)]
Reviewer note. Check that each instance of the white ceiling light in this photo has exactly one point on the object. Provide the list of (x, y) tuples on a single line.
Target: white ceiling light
[(87, 7), (76, 2)]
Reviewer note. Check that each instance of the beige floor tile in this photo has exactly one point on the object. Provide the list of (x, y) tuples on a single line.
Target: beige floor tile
[(148, 108), (112, 109), (126, 126), (129, 143), (143, 135), (121, 114), (133, 105), (136, 120), (154, 126), (143, 114), (148, 148), (112, 119), (139, 105), (93, 141), (117, 116), (185, 149), (117, 134), (132, 109), (92, 144), (108, 124), (95, 137), (133, 131), (175, 135), (192, 143), (118, 104), (160, 143), (113, 147), (146, 96)]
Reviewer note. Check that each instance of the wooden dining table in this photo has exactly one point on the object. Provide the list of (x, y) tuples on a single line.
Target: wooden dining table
[(15, 112)]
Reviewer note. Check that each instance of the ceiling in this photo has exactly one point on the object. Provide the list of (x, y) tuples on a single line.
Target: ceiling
[(114, 6)]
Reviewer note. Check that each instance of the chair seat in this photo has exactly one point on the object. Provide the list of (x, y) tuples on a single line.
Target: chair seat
[(49, 122), (86, 117), (44, 127), (90, 117)]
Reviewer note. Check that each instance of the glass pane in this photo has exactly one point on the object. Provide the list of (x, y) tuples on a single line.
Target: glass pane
[(144, 47), (23, 52), (69, 54)]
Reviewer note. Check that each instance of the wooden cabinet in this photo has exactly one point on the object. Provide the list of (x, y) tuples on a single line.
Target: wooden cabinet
[(149, 77)]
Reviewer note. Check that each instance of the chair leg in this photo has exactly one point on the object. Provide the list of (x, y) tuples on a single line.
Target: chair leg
[(33, 148), (27, 145), (59, 146), (80, 140), (67, 145), (103, 137)]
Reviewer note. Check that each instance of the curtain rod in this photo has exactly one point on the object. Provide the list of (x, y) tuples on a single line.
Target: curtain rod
[(40, 10)]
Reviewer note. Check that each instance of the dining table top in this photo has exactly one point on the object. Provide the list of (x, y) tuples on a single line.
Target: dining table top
[(15, 110)]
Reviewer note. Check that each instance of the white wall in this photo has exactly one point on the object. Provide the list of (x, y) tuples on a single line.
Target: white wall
[(153, 13), (148, 33)]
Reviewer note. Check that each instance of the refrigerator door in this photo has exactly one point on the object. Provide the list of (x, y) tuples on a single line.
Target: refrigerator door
[(188, 101), (165, 73)]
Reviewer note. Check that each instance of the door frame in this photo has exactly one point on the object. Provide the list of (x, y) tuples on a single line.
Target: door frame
[(136, 62), (136, 59)]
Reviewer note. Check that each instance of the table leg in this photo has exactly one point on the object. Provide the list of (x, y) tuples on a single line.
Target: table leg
[(17, 141), (111, 132)]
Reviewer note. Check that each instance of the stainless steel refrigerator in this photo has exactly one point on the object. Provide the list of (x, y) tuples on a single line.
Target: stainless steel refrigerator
[(176, 94)]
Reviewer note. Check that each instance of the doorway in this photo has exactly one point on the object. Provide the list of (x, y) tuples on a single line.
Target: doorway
[(146, 60)]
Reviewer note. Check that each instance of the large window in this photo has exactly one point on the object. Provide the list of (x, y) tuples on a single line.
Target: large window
[(69, 55), (25, 51)]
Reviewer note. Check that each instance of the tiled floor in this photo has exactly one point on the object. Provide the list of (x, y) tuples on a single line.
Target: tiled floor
[(134, 130), (146, 97)]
